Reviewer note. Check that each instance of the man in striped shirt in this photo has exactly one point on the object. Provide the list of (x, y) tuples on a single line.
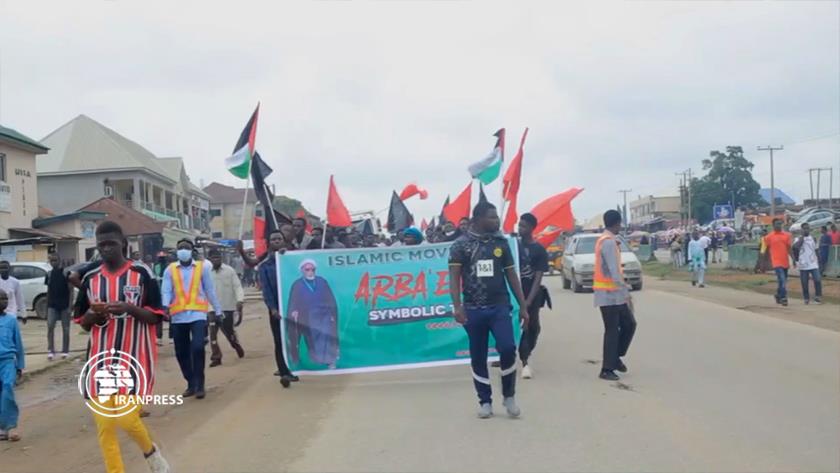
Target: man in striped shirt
[(119, 304)]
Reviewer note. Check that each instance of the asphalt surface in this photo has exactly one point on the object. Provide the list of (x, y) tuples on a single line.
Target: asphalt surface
[(710, 388)]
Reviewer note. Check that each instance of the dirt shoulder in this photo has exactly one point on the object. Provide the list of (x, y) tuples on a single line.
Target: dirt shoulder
[(826, 316)]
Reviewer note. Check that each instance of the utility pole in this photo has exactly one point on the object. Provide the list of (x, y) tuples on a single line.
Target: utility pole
[(819, 179), (688, 191), (683, 213), (624, 209), (772, 177)]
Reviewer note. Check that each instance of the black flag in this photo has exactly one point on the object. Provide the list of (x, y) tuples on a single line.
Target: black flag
[(398, 215), (442, 217), (481, 196), (273, 218)]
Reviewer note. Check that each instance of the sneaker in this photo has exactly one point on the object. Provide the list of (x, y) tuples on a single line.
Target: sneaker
[(293, 378), (817, 301), (50, 356), (215, 363), (189, 392), (485, 411), (784, 302), (285, 381), (609, 375), (13, 435), (526, 372), (157, 464), (512, 409), (277, 373), (622, 368), (65, 355)]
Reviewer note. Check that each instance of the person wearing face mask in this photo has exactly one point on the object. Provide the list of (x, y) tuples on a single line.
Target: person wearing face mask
[(313, 314), (10, 284), (268, 284), (188, 294)]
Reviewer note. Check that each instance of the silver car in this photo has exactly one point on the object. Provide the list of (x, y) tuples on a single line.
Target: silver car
[(33, 277)]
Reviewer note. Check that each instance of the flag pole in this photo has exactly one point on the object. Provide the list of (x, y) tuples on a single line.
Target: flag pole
[(326, 217), (245, 199)]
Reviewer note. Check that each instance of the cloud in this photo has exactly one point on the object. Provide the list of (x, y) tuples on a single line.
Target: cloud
[(617, 95)]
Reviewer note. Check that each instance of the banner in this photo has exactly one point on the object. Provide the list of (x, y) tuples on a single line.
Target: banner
[(371, 309), (723, 212)]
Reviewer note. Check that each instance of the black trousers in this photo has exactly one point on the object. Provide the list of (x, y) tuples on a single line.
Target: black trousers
[(619, 327), (227, 329), (528, 339), (274, 323)]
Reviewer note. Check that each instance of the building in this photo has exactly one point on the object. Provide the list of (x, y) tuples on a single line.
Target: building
[(88, 161), (81, 224), (18, 180), (650, 210), (226, 211)]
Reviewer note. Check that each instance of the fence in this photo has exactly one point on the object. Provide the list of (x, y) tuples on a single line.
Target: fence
[(745, 256)]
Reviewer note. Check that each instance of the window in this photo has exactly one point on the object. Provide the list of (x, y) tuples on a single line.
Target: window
[(215, 213), (28, 272), (217, 234), (2, 167), (586, 246)]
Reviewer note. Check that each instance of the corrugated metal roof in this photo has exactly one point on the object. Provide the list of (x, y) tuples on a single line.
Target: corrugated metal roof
[(84, 145), (19, 138)]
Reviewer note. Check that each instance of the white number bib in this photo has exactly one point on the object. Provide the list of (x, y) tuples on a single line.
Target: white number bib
[(484, 268)]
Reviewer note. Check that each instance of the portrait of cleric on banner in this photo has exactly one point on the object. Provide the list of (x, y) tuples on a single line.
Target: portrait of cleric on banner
[(313, 316)]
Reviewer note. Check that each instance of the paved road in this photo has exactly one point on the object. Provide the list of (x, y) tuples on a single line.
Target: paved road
[(710, 388)]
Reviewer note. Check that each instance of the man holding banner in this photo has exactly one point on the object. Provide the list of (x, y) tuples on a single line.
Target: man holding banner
[(481, 265), (268, 284)]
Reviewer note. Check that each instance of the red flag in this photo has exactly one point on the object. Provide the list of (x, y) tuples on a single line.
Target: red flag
[(510, 189), (413, 189), (556, 211), (460, 207), (424, 225), (337, 214), (547, 238), (260, 245), (302, 214)]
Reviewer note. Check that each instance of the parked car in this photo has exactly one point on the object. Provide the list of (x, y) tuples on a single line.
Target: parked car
[(33, 276), (579, 263), (814, 219)]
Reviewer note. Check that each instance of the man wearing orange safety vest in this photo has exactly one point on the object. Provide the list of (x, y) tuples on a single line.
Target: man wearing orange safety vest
[(612, 296), (188, 293)]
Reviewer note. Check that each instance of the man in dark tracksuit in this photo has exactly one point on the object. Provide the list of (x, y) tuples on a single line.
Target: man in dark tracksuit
[(268, 283), (533, 262), (481, 264)]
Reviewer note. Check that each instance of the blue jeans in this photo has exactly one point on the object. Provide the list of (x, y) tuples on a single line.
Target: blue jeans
[(189, 349), (781, 279), (480, 323), (804, 274), (8, 407)]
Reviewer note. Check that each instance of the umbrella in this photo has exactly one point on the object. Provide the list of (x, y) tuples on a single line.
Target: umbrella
[(725, 229)]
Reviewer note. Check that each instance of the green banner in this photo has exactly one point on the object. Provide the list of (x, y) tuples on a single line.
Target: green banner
[(370, 309)]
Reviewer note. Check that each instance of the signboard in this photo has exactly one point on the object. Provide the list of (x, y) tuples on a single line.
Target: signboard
[(723, 212), (739, 219), (371, 309), (5, 197)]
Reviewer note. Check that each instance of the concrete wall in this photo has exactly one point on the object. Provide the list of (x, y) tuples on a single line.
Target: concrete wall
[(72, 227), (22, 179), (228, 222), (70, 192)]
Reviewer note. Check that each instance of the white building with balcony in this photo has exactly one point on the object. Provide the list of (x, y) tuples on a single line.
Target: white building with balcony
[(88, 161)]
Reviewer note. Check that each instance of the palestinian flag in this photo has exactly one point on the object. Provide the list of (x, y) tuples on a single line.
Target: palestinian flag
[(489, 168), (239, 163)]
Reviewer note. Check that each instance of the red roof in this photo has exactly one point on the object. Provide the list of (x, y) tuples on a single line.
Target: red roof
[(222, 194), (131, 221)]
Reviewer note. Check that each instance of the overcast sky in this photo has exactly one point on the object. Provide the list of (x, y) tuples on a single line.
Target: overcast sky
[(380, 93)]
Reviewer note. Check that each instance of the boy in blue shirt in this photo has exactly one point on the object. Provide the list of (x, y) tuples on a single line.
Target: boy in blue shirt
[(11, 368)]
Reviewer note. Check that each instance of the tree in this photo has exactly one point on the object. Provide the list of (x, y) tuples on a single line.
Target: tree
[(729, 177)]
